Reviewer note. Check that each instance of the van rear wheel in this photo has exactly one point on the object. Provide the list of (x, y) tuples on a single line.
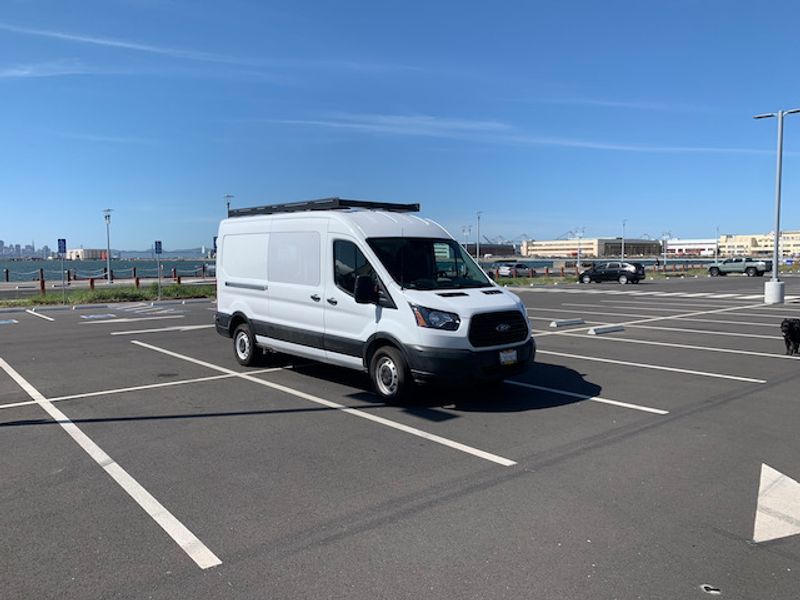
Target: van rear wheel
[(244, 345), (390, 374)]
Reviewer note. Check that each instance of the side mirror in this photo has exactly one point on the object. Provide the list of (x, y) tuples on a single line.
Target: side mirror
[(366, 291)]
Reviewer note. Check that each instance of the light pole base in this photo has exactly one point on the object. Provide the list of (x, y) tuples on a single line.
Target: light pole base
[(773, 292)]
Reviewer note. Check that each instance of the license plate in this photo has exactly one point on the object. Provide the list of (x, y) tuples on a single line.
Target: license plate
[(508, 357)]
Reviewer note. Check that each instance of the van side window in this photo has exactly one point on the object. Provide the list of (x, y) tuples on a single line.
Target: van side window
[(348, 263), (294, 257)]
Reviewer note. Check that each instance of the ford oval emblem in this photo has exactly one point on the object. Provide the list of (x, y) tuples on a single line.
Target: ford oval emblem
[(502, 328)]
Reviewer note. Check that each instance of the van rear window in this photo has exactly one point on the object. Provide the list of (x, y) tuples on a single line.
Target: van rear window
[(244, 255)]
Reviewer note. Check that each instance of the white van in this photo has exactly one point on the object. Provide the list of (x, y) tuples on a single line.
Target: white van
[(365, 285)]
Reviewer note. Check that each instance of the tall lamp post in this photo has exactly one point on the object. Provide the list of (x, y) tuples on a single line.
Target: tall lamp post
[(665, 238), (773, 290), (478, 238), (623, 239), (107, 216), (227, 198)]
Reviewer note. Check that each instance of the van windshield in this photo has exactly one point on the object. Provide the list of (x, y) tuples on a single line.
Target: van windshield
[(428, 263)]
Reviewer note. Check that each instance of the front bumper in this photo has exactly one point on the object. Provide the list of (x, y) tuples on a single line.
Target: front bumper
[(466, 366)]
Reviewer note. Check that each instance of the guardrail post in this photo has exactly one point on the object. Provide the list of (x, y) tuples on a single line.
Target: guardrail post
[(5, 275), (69, 276), (178, 279), (547, 271), (41, 282), (136, 282), (562, 271), (111, 279), (203, 270), (91, 283)]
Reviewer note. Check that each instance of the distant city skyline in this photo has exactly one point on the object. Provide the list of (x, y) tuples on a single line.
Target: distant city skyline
[(546, 117)]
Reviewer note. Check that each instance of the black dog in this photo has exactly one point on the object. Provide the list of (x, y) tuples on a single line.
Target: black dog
[(790, 328)]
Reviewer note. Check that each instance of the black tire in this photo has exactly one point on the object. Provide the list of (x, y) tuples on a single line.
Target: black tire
[(244, 346), (714, 272), (586, 279), (623, 279), (750, 271), (390, 375)]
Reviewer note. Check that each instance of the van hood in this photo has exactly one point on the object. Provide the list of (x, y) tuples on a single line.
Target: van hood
[(465, 302)]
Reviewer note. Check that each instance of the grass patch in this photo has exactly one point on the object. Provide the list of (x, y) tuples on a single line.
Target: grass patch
[(116, 294)]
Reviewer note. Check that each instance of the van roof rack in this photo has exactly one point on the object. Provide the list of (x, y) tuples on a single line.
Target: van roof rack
[(321, 204)]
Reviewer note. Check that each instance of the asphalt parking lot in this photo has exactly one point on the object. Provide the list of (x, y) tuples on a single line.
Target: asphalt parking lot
[(139, 460)]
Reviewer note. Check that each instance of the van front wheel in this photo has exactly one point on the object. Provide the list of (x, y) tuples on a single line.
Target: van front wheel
[(390, 375), (244, 346)]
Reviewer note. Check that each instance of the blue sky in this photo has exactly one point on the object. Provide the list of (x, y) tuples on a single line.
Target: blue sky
[(545, 116)]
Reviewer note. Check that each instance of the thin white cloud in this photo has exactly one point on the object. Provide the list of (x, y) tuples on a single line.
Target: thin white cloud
[(56, 68), (488, 132), (210, 57), (414, 125), (123, 44)]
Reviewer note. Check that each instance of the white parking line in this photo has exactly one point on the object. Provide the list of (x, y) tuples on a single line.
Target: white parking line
[(707, 332), (655, 367), (725, 322), (686, 304), (656, 411), (132, 320), (667, 317), (591, 312), (674, 309), (149, 386), (671, 345), (189, 543), (351, 411), (41, 316), (176, 328)]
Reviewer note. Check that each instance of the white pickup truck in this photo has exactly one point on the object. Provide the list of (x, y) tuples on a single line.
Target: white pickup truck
[(752, 267)]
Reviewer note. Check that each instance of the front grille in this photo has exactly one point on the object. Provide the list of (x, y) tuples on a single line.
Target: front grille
[(483, 328)]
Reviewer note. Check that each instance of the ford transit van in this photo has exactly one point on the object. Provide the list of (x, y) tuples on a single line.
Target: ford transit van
[(369, 286)]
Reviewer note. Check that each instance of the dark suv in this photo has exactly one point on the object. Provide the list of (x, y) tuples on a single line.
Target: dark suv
[(613, 271)]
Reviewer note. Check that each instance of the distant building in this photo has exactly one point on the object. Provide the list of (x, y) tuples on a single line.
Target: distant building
[(86, 254), (758, 244), (590, 247), (493, 249), (691, 248)]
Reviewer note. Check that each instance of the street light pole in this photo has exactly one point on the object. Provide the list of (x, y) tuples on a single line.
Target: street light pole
[(773, 290), (478, 238), (716, 246), (623, 238), (107, 217)]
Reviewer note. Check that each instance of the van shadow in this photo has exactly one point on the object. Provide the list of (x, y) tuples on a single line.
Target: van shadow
[(511, 396)]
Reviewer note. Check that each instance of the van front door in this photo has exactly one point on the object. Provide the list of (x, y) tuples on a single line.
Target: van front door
[(348, 325)]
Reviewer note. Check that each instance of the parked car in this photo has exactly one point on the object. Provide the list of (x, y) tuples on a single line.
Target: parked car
[(752, 267), (622, 272), (515, 270)]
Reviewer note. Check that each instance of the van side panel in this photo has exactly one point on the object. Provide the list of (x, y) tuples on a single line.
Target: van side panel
[(242, 270)]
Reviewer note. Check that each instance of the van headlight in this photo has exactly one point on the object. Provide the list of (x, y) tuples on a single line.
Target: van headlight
[(435, 319)]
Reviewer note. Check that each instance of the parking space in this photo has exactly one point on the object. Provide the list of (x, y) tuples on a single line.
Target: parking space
[(628, 462)]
